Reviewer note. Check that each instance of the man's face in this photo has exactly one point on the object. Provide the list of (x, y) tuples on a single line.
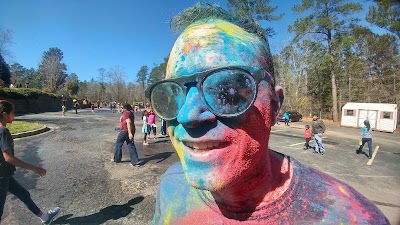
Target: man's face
[(217, 152)]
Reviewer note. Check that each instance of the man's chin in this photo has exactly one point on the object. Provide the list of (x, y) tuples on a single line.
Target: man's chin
[(212, 185)]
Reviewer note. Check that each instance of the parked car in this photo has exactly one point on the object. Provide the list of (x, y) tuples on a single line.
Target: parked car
[(293, 116)]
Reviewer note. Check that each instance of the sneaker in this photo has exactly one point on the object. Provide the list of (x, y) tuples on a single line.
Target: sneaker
[(358, 151), (136, 164), (52, 214), (145, 143)]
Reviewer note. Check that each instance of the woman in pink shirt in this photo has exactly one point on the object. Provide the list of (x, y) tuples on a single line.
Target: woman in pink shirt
[(151, 120)]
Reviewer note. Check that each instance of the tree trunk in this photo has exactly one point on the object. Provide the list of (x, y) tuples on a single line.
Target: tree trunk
[(333, 81)]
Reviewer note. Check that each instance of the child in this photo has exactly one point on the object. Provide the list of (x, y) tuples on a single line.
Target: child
[(145, 128), (92, 106), (307, 136), (151, 120), (8, 162)]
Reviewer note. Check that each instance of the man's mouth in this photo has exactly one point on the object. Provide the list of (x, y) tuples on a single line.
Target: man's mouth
[(204, 146)]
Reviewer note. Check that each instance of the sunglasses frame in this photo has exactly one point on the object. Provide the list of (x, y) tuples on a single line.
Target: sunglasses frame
[(255, 73)]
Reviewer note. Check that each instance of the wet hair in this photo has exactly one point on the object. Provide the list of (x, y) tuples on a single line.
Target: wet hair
[(366, 123), (127, 106), (6, 106), (308, 126)]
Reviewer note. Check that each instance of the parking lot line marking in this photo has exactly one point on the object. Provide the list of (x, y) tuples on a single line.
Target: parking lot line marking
[(361, 175), (373, 156), (298, 143)]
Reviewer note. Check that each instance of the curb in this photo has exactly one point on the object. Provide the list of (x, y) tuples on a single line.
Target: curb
[(30, 133)]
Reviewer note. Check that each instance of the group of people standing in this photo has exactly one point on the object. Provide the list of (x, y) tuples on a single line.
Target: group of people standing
[(127, 131), (149, 125), (318, 128)]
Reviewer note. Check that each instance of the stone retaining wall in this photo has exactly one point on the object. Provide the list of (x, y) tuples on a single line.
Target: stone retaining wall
[(37, 105)]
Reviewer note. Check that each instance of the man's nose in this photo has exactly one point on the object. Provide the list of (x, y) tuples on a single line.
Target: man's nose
[(194, 113)]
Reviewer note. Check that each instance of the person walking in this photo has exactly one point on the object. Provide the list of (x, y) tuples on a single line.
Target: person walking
[(76, 105), (163, 130), (145, 127), (307, 136), (318, 129), (277, 118), (63, 105), (366, 137), (126, 134), (151, 120), (286, 115), (8, 164)]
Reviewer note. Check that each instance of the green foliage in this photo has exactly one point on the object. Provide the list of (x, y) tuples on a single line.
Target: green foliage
[(142, 75), (386, 15), (158, 72), (26, 75), (72, 84), (257, 9), (21, 93), (326, 18), (5, 74)]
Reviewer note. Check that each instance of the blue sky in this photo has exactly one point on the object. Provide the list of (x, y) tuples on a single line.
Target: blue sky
[(94, 34)]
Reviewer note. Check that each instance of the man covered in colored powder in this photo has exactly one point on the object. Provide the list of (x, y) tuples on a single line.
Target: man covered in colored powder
[(223, 102)]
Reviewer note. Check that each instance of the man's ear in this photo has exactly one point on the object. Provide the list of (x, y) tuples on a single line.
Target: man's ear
[(277, 100)]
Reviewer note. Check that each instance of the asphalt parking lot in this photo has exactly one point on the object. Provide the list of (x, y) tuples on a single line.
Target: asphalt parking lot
[(93, 190)]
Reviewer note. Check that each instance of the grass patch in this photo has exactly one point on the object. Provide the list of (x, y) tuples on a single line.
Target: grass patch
[(23, 126)]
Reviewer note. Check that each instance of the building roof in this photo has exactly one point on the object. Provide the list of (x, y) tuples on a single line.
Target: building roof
[(371, 106)]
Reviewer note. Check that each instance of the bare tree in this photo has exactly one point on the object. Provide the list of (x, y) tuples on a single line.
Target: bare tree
[(52, 70), (116, 82), (6, 37)]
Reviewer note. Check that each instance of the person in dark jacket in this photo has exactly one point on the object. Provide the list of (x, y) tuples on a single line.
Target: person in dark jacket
[(318, 129)]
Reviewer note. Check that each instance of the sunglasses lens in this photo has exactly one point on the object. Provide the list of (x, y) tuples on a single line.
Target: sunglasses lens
[(167, 99), (229, 92)]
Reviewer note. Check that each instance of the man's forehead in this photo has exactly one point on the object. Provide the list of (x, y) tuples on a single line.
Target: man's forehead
[(212, 44)]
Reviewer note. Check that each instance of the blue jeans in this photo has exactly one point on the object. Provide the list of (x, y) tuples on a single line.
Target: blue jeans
[(369, 141), (319, 147), (9, 184), (123, 136)]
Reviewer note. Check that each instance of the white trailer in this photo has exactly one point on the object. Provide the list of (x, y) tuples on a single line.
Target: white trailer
[(382, 116)]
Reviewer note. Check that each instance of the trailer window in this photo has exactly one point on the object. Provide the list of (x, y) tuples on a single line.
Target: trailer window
[(349, 112), (387, 115)]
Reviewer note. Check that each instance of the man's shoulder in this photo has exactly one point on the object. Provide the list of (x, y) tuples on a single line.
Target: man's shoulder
[(173, 172), (4, 131), (322, 189), (174, 177), (174, 180)]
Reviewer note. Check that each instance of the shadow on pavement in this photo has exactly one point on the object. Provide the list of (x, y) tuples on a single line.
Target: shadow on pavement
[(113, 212), (159, 156)]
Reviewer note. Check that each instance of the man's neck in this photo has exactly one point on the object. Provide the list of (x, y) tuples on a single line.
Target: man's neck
[(260, 186)]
